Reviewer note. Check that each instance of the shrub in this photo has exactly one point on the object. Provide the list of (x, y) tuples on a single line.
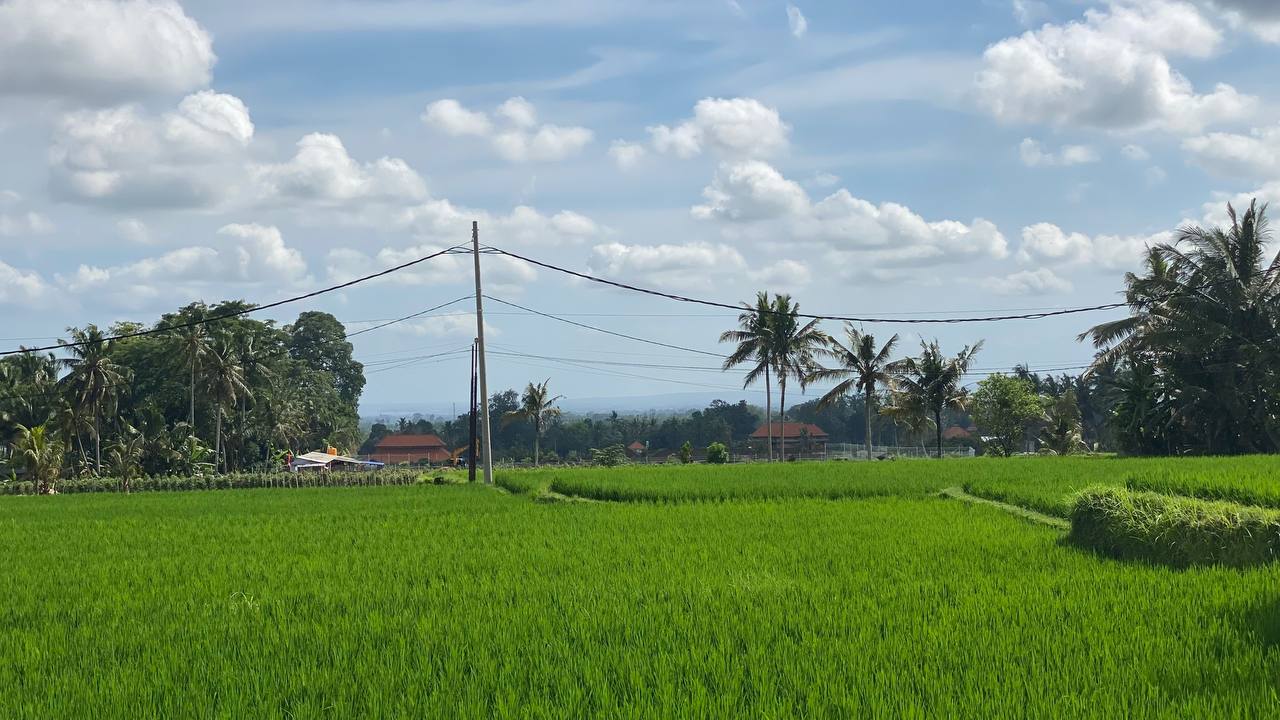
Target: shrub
[(717, 453), (686, 452), (609, 457), (1181, 532)]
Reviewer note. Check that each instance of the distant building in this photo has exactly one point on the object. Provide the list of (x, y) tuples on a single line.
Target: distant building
[(330, 460), (955, 432), (792, 439), (394, 449), (636, 449)]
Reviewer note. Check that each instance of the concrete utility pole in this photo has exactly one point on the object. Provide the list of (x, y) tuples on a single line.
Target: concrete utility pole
[(486, 444)]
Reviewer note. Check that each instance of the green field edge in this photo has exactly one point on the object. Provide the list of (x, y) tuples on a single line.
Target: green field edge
[(957, 493)]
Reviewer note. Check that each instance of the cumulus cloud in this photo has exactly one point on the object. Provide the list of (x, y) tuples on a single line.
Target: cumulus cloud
[(322, 171), (101, 51), (1111, 70), (134, 230), (626, 154), (796, 21), (783, 273), (1035, 155), (1046, 243), (1136, 153), (518, 138), (21, 287), (18, 221), (1215, 211), (441, 220), (1256, 155), (1041, 281), (1259, 17), (249, 254), (669, 265), (462, 326), (736, 128), (501, 273), (123, 156), (753, 199)]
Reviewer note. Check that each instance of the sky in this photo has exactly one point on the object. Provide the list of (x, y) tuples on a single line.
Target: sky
[(902, 160)]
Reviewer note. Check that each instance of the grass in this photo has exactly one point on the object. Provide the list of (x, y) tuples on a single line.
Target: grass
[(1249, 481), (461, 602), (1175, 531)]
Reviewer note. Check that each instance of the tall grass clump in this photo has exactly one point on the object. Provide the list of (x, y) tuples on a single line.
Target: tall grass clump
[(1180, 532), (1236, 483)]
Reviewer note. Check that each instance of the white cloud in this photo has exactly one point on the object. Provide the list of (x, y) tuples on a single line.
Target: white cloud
[(15, 221), (439, 220), (1215, 211), (736, 128), (101, 51), (1256, 155), (520, 139), (1156, 175), (501, 273), (796, 21), (1042, 281), (1047, 243), (822, 180), (668, 265), (626, 154), (1259, 17), (21, 287), (452, 118), (462, 325), (1034, 155), (122, 156), (1137, 153), (783, 273), (1110, 70), (1029, 12), (248, 254), (134, 230), (323, 172), (752, 199)]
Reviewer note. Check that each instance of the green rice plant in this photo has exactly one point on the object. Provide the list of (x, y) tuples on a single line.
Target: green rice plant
[(1237, 482), (1173, 531)]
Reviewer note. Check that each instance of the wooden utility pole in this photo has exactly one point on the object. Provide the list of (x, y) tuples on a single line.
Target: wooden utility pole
[(486, 443), (471, 421)]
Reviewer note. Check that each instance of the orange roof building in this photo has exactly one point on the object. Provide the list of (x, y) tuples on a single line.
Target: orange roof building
[(410, 448)]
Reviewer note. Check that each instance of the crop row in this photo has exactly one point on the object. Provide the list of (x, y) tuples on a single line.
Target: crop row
[(228, 481)]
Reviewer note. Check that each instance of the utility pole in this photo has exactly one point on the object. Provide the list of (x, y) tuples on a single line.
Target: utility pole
[(471, 421), (486, 443)]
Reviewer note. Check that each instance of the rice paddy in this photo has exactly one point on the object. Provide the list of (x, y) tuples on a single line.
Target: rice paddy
[(720, 592)]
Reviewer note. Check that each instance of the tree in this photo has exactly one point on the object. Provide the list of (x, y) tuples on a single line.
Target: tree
[(754, 337), (94, 381), (931, 381), (537, 407), (1063, 433), (862, 368), (40, 454), (1201, 335), (906, 410), (193, 345), (319, 340), (686, 453), (717, 453), (795, 349), (124, 456), (225, 382), (1002, 406)]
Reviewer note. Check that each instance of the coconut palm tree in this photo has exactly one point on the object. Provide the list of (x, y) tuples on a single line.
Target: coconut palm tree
[(931, 382), (903, 410), (225, 381), (124, 456), (94, 380), (754, 337), (795, 348), (193, 345), (40, 453), (536, 407), (862, 368)]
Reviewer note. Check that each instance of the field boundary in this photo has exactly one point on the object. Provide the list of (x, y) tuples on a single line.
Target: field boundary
[(957, 493)]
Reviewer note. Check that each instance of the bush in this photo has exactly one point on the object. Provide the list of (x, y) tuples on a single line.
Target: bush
[(686, 452), (717, 453), (1181, 532), (609, 457)]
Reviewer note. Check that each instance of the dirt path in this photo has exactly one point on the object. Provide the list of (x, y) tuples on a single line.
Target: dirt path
[(959, 494)]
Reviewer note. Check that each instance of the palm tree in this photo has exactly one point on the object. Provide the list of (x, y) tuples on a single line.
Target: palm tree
[(902, 409), (932, 381), (193, 346), (754, 337), (257, 374), (225, 379), (124, 456), (1063, 433), (862, 367), (536, 407), (94, 379), (795, 349), (40, 452)]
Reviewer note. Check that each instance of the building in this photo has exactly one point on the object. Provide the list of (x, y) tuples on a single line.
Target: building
[(637, 449), (330, 461), (395, 449), (792, 439), (957, 433)]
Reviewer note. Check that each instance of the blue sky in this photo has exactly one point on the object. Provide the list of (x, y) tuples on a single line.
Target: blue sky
[(870, 158)]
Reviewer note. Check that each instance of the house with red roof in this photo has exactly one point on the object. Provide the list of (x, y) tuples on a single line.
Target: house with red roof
[(394, 449), (637, 448), (791, 439)]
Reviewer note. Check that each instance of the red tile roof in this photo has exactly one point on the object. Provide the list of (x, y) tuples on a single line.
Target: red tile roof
[(637, 446), (786, 430), (401, 442)]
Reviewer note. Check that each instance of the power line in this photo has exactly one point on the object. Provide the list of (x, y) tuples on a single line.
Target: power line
[(246, 311), (602, 330), (846, 318), (408, 317)]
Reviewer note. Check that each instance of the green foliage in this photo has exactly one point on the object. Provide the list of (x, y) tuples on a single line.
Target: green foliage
[(686, 452), (228, 481), (1239, 481), (717, 454), (1063, 432), (1002, 407), (1173, 531), (456, 601), (612, 456), (930, 384)]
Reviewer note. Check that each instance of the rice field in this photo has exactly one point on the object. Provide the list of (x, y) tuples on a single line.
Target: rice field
[(464, 601)]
